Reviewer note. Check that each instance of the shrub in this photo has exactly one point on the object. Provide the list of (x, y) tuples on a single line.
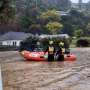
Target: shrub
[(82, 43)]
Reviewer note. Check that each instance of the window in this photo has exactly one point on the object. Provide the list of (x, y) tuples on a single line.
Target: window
[(14, 43)]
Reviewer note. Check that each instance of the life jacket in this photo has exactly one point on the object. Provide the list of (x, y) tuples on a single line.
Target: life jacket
[(63, 50), (61, 44), (51, 50)]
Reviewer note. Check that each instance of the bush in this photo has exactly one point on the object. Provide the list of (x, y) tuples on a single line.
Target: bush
[(83, 43)]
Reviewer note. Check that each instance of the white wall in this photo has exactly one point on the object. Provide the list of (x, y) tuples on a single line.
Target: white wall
[(11, 42)]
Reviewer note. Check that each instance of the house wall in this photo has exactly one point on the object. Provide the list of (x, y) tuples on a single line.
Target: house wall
[(11, 42), (0, 43)]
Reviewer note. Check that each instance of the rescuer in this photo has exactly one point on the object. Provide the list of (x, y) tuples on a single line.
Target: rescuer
[(51, 51), (60, 52)]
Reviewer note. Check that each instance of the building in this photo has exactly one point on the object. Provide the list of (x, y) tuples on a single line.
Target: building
[(13, 39), (63, 13), (81, 5)]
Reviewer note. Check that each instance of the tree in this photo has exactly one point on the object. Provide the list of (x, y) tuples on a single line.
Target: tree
[(35, 29), (35, 21), (88, 29), (25, 21), (29, 18), (51, 20), (74, 21), (53, 27), (78, 33), (50, 15), (6, 11)]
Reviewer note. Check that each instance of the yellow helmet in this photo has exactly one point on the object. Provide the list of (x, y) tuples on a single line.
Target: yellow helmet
[(61, 44), (50, 42)]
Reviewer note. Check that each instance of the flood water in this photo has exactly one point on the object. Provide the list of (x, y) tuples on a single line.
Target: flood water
[(24, 75)]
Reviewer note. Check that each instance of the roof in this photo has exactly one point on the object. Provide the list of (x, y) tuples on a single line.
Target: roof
[(55, 36), (63, 13), (15, 36)]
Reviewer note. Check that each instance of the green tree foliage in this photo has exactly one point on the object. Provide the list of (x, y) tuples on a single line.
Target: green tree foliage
[(77, 18), (25, 21), (36, 22), (29, 18), (74, 21), (50, 15), (54, 26), (88, 29), (57, 4), (35, 28), (78, 33), (6, 11), (51, 20)]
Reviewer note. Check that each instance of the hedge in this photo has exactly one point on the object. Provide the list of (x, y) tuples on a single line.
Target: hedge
[(83, 42)]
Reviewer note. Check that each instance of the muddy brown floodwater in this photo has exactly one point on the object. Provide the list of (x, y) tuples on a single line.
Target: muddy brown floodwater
[(18, 74)]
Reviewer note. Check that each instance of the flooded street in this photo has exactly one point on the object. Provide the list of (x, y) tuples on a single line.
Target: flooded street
[(18, 74)]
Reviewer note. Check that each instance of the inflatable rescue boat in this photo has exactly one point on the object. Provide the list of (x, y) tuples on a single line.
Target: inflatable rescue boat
[(40, 56)]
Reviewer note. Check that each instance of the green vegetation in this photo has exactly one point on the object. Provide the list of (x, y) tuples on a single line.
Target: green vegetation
[(41, 22), (80, 42), (44, 17), (83, 42), (78, 33), (53, 27), (50, 15), (7, 12)]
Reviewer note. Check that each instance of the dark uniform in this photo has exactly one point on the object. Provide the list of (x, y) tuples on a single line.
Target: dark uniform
[(51, 52), (60, 53)]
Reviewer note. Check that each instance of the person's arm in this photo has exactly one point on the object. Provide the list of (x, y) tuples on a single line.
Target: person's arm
[(57, 52), (54, 50)]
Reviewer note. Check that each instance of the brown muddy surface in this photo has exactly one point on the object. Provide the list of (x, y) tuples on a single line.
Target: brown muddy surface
[(18, 74)]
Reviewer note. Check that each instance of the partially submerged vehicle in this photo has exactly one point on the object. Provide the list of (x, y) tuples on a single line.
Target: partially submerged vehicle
[(33, 48)]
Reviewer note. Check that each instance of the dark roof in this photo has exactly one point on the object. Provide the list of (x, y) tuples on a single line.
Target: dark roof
[(15, 36)]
